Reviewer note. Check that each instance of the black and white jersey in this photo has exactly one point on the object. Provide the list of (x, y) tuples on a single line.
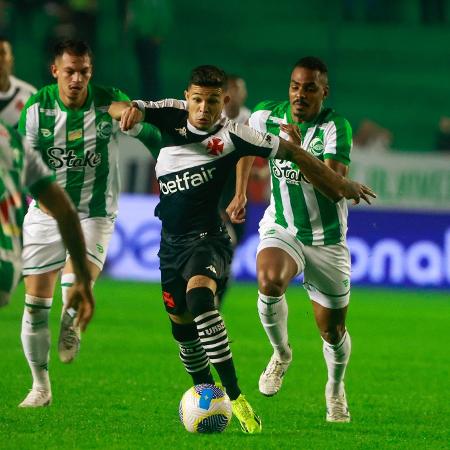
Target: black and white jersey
[(194, 165), (13, 100)]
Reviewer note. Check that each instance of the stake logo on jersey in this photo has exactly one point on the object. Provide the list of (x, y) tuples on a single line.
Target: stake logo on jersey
[(58, 158), (193, 168), (287, 170)]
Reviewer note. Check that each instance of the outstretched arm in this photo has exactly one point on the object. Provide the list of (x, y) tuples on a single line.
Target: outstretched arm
[(81, 298), (331, 184)]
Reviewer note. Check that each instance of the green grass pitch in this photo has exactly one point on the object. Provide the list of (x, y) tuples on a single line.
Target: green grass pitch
[(123, 390)]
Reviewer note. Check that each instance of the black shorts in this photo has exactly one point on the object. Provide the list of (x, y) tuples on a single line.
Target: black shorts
[(182, 257)]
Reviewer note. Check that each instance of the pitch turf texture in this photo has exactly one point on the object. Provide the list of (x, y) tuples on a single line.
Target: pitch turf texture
[(123, 390)]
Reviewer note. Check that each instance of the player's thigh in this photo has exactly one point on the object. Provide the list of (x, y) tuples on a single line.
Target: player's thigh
[(327, 275), (43, 249), (97, 233), (42, 284), (279, 252), (209, 263)]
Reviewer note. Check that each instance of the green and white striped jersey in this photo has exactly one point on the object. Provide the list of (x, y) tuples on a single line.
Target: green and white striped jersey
[(21, 167), (81, 145), (295, 204)]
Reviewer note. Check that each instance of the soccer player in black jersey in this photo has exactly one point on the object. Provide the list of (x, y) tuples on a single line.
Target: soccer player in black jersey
[(195, 252)]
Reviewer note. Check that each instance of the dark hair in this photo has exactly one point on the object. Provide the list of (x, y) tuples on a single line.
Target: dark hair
[(210, 76), (4, 38), (73, 47), (312, 63)]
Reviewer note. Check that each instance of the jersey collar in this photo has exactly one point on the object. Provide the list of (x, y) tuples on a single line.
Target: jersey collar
[(213, 129)]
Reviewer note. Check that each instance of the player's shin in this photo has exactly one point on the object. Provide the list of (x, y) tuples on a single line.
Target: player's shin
[(273, 313), (213, 336), (336, 358), (36, 338), (192, 353)]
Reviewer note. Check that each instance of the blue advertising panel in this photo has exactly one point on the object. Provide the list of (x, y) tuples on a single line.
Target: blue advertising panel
[(389, 248)]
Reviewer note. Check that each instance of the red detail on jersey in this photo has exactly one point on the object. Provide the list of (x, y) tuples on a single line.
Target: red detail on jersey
[(168, 299), (19, 105), (215, 146)]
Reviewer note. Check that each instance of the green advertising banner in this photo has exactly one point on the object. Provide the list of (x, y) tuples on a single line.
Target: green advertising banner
[(406, 180)]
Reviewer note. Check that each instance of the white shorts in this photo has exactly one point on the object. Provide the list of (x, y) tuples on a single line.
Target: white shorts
[(43, 248), (326, 267)]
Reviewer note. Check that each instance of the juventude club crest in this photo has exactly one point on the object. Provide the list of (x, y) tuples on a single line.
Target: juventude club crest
[(316, 146), (104, 130)]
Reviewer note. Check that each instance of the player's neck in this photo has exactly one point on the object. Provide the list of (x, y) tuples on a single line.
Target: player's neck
[(5, 83), (73, 103)]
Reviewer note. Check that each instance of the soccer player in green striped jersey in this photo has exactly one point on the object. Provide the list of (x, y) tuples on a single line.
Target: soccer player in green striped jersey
[(69, 124), (303, 231), (22, 170)]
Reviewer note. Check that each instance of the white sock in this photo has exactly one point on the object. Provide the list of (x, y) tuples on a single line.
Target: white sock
[(336, 358), (273, 313), (67, 281), (36, 338)]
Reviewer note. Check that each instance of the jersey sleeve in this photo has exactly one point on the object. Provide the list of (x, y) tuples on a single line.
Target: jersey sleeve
[(29, 121), (260, 114), (161, 113), (120, 96), (250, 142), (338, 141), (37, 174)]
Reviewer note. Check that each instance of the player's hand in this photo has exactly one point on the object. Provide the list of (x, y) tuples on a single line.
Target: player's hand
[(130, 117), (356, 191), (293, 131), (81, 298), (236, 209)]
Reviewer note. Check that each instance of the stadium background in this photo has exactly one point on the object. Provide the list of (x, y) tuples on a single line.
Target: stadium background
[(389, 62)]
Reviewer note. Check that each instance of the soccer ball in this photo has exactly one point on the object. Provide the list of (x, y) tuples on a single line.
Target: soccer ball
[(205, 408)]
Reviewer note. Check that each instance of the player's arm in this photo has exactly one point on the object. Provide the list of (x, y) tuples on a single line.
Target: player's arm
[(332, 184), (236, 208), (42, 185), (60, 207), (147, 133)]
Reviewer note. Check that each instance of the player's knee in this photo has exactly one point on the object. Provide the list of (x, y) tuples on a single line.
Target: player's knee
[(5, 297), (333, 335), (200, 300), (183, 332), (271, 283)]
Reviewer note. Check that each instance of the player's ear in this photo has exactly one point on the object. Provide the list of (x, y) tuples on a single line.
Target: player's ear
[(54, 71), (325, 91), (186, 95), (226, 99)]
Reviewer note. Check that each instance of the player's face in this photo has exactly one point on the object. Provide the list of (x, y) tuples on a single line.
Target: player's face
[(72, 74), (205, 105), (307, 91), (6, 59)]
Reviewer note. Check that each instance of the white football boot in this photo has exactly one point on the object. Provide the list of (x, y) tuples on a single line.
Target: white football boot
[(337, 407), (37, 397), (271, 379), (69, 338)]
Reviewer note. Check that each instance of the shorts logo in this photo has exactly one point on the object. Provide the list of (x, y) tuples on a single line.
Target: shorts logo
[(99, 248), (346, 283), (104, 130), (270, 232), (212, 269), (168, 299)]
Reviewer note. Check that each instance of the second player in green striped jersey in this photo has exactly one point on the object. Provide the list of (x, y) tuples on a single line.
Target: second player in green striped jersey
[(295, 204), (69, 124), (303, 231), (81, 145)]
